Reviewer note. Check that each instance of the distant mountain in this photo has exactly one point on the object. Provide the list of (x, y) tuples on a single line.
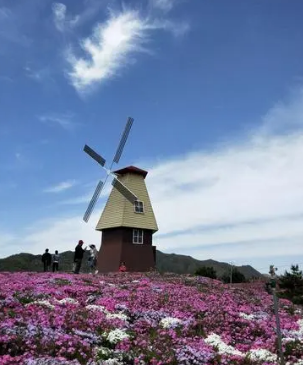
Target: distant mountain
[(179, 264), (182, 264)]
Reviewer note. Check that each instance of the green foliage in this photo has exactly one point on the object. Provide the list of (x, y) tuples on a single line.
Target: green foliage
[(207, 271), (291, 285), (237, 276), (62, 282), (293, 348)]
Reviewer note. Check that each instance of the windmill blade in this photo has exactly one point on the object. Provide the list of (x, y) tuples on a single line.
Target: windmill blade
[(123, 140), (93, 201), (124, 191), (94, 155)]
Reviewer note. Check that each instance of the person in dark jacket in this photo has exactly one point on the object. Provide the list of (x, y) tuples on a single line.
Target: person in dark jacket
[(47, 260), (79, 252)]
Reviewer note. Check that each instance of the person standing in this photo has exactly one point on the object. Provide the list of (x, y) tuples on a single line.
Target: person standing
[(47, 260), (79, 252), (56, 261), (92, 260)]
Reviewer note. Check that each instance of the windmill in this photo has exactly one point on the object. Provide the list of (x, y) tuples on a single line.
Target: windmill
[(127, 222)]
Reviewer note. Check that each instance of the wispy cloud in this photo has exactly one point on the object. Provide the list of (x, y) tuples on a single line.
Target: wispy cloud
[(178, 29), (59, 11), (40, 74), (9, 32), (113, 46), (63, 186), (164, 5), (6, 78), (85, 198), (65, 121), (65, 22), (5, 13), (61, 21), (19, 156)]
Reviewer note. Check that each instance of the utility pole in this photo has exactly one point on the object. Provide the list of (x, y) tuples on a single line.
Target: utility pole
[(273, 284)]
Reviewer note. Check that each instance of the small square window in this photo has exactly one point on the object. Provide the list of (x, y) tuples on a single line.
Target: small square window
[(138, 236), (139, 207)]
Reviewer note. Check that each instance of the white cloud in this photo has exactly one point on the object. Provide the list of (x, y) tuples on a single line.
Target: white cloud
[(240, 200), (236, 184), (108, 49), (164, 5), (64, 233), (63, 120), (113, 45), (65, 185), (276, 232)]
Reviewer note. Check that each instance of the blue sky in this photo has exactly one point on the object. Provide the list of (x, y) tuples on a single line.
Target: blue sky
[(215, 88)]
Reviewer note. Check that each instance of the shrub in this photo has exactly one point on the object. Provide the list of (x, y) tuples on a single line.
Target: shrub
[(206, 271), (237, 276), (291, 285)]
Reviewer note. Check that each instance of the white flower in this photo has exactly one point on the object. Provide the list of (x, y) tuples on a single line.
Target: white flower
[(95, 307), (45, 303), (116, 335), (262, 355), (121, 316), (112, 362), (67, 301), (170, 322), (300, 362), (104, 351), (294, 335), (288, 339), (251, 317), (216, 341), (300, 323)]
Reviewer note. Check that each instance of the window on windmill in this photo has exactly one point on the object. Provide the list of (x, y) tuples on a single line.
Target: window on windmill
[(137, 236), (139, 207)]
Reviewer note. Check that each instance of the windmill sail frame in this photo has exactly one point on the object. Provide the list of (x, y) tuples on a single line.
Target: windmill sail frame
[(129, 195)]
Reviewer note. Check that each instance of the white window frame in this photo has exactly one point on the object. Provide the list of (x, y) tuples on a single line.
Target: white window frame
[(138, 236), (135, 206)]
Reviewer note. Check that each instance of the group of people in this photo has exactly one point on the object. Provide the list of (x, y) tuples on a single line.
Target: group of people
[(48, 259), (78, 257), (53, 260)]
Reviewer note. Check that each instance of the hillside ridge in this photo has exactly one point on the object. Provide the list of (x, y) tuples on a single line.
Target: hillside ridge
[(166, 262)]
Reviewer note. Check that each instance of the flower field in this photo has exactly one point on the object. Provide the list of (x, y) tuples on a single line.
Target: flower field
[(62, 319)]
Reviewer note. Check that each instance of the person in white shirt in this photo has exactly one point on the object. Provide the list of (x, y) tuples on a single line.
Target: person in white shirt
[(56, 261), (92, 260)]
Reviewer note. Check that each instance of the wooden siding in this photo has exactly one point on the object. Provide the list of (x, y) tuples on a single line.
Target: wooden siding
[(119, 212), (117, 246)]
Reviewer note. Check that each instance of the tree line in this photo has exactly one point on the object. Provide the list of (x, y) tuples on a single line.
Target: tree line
[(233, 275)]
